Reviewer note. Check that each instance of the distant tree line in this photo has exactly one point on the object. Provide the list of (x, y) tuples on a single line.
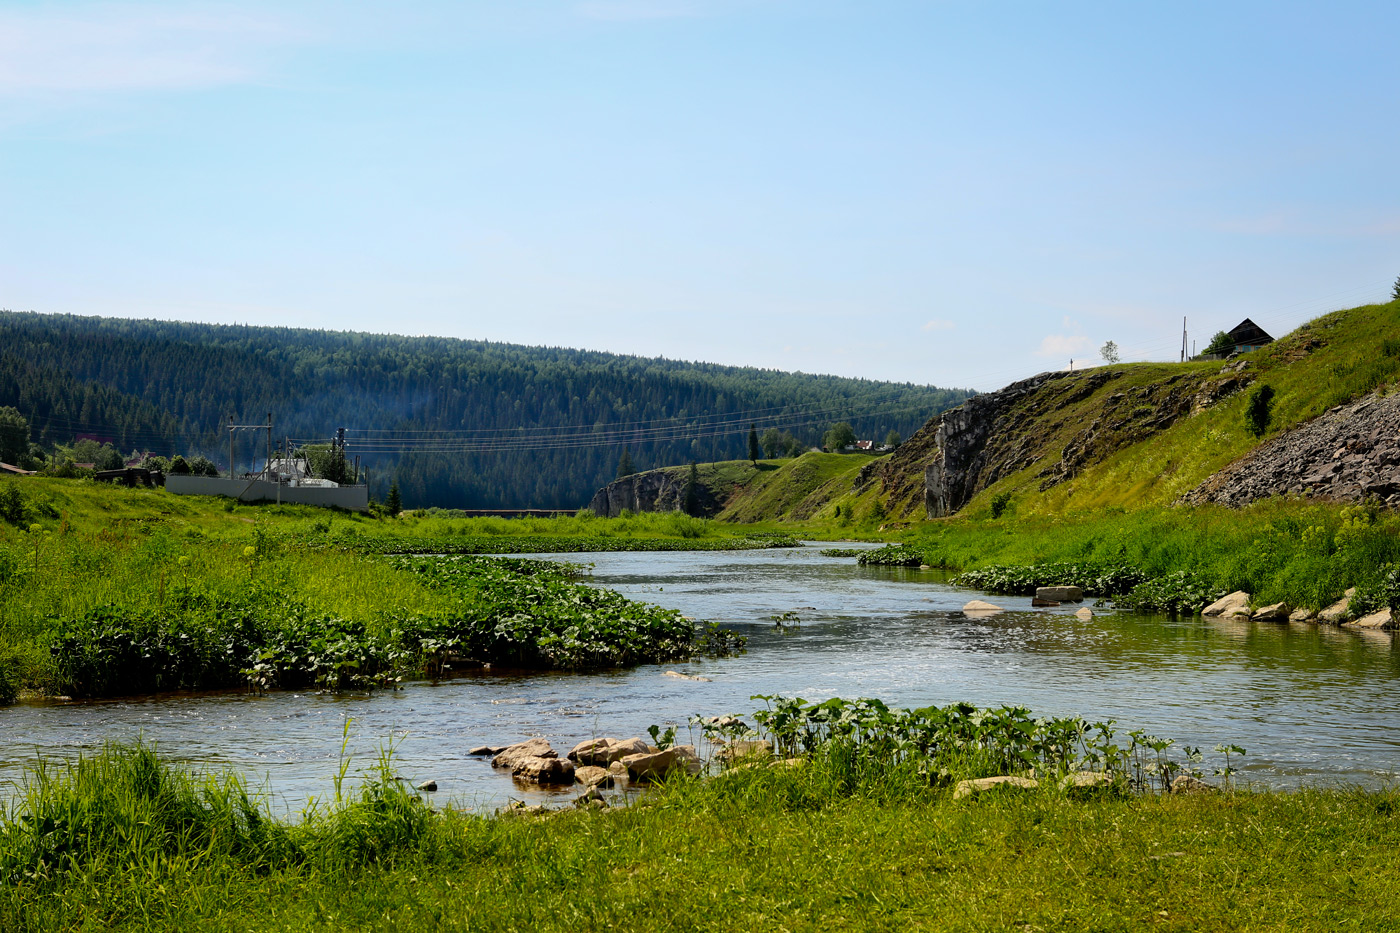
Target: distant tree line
[(168, 388)]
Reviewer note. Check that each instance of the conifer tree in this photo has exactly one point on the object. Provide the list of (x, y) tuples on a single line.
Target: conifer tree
[(692, 497), (624, 463), (393, 502), (753, 445)]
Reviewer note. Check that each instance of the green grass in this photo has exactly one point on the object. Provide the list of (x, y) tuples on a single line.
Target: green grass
[(1304, 553), (124, 841), (104, 589)]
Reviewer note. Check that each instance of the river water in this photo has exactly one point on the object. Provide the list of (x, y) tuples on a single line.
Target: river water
[(1311, 705)]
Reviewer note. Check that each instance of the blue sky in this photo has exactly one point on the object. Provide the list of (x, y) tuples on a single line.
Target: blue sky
[(952, 193)]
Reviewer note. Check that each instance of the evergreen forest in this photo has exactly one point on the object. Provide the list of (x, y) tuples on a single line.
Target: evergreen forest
[(456, 423)]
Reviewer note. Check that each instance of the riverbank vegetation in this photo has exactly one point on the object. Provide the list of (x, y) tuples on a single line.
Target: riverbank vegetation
[(857, 837), (107, 591)]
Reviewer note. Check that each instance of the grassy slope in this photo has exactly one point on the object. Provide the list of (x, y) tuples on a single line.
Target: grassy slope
[(798, 490), (1324, 363)]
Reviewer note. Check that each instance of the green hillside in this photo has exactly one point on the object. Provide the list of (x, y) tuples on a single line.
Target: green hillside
[(458, 423)]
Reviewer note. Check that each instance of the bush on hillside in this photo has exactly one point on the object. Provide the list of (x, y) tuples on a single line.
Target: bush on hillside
[(1259, 409)]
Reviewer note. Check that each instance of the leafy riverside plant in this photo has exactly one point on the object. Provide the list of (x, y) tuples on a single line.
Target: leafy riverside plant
[(864, 740), (530, 614)]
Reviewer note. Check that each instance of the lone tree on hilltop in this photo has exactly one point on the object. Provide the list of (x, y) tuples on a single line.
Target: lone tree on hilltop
[(772, 444), (753, 445), (1109, 352), (1395, 290), (841, 436), (624, 463), (1220, 343), (691, 498)]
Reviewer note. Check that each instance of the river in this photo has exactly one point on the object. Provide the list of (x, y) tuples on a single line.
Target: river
[(1311, 705)]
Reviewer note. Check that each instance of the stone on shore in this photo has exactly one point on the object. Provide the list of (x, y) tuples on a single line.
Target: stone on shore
[(1234, 605), (593, 776), (654, 765), (981, 607), (975, 786), (1085, 780), (617, 768), (1060, 594), (1338, 611), (1278, 612), (745, 750), (1188, 784), (1380, 619), (605, 751), (1084, 614), (512, 755), (544, 770)]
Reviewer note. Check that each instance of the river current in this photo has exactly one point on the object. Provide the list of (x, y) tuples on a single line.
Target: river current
[(1311, 705)]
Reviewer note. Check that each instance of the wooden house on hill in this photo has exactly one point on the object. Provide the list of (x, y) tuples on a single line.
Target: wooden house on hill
[(1248, 335)]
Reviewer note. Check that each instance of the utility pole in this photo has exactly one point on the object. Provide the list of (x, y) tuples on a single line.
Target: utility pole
[(230, 446), (1183, 339), (267, 465)]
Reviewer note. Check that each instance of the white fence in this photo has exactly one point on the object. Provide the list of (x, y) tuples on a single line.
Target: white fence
[(355, 498)]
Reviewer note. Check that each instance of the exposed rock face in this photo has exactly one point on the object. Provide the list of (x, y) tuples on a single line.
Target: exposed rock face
[(654, 491), (1350, 453), (960, 463), (1042, 421)]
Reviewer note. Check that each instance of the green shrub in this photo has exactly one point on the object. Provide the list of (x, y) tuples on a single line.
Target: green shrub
[(1259, 409), (999, 503)]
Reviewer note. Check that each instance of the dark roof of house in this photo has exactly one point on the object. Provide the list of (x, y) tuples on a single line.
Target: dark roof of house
[(1249, 334)]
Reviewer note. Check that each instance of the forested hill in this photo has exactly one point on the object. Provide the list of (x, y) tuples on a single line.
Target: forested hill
[(459, 423)]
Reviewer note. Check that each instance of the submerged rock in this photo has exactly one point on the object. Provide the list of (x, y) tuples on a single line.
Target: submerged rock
[(679, 676), (428, 786), (982, 607), (1060, 594), (1084, 614), (593, 776), (544, 771)]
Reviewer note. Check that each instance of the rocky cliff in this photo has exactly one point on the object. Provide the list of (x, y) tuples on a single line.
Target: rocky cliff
[(1055, 424), (653, 491), (1350, 453)]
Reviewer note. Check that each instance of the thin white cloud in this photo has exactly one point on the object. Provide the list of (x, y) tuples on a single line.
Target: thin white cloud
[(1064, 346), (133, 46), (937, 324)]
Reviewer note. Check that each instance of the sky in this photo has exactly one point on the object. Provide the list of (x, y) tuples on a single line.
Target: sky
[(952, 193)]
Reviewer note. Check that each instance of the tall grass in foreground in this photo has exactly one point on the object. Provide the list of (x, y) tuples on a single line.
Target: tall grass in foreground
[(124, 840)]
